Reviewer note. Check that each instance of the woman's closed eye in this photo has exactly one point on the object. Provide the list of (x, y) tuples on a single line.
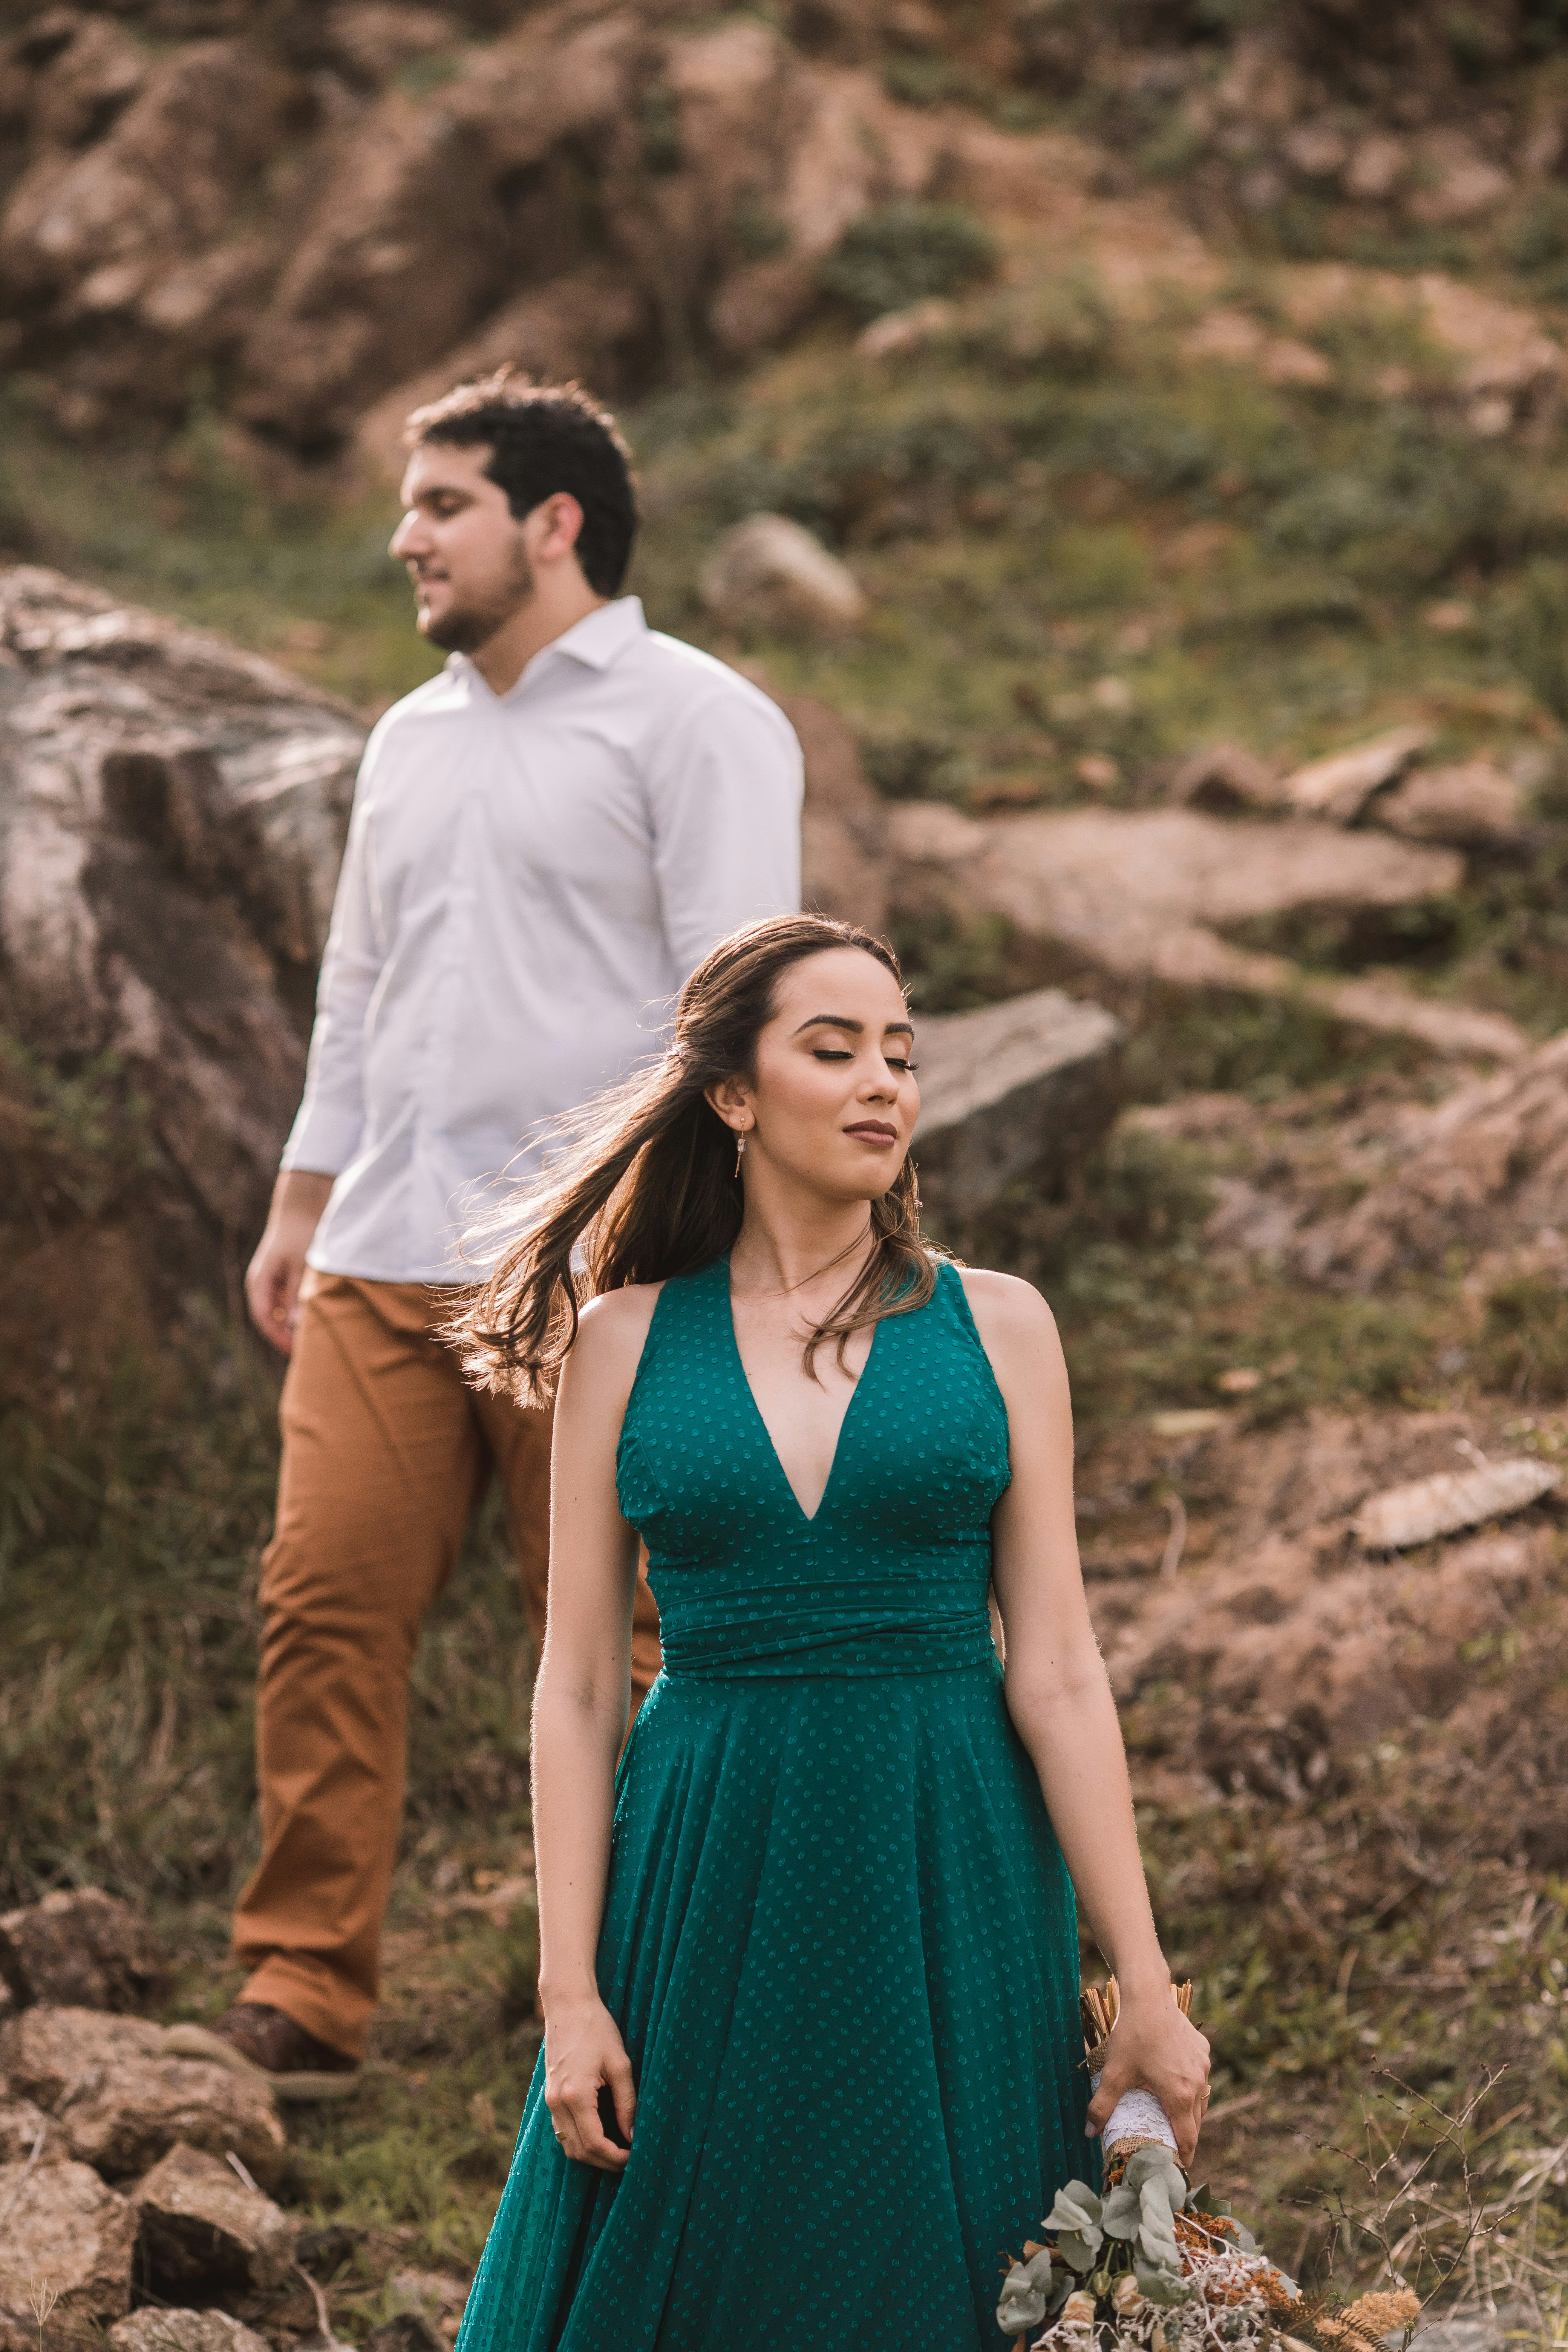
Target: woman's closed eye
[(837, 1054)]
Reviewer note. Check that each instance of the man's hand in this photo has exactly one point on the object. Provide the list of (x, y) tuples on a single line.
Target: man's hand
[(273, 1277)]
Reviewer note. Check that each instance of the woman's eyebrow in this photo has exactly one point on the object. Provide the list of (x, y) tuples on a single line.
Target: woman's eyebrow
[(856, 1028)]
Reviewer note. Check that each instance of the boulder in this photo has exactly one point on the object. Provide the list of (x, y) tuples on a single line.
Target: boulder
[(1144, 895), (1495, 355), (46, 2054), (81, 1948), (1425, 1509), (589, 326), (1225, 778), (124, 2118), (151, 2330), (119, 2103), (21, 2125), (1340, 787), (770, 574), (1454, 181), (1471, 806), (172, 814), (1016, 1091), (202, 2229), (63, 2233), (86, 84), (371, 40), (1485, 1168), (91, 231), (844, 830), (897, 333)]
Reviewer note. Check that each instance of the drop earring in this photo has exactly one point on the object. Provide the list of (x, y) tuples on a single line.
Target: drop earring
[(740, 1147)]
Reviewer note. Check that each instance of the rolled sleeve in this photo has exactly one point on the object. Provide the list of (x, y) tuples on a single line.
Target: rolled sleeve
[(726, 794)]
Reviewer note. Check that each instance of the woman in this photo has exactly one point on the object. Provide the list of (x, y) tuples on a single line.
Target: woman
[(809, 1961)]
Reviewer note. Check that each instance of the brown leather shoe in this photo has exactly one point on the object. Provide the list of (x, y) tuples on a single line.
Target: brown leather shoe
[(261, 2042)]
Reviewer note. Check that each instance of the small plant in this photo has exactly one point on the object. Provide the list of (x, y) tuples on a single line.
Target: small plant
[(905, 253), (1523, 1348), (1540, 648)]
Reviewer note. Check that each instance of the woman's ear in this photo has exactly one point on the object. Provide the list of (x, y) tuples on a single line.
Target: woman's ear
[(728, 1097)]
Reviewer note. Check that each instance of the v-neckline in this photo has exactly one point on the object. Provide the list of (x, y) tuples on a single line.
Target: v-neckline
[(807, 1518)]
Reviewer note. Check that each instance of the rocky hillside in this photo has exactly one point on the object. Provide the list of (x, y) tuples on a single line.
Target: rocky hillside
[(308, 206)]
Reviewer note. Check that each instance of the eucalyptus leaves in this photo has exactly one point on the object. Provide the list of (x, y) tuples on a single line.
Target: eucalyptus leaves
[(1118, 2269)]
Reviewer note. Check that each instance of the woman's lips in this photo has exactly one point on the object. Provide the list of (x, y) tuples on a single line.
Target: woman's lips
[(873, 1131)]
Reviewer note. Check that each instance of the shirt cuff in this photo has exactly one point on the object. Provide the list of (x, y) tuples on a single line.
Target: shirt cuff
[(322, 1140)]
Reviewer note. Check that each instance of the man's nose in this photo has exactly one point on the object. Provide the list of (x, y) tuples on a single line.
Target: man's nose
[(409, 538)]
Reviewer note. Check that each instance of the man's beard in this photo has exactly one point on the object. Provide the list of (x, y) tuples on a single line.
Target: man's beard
[(463, 628)]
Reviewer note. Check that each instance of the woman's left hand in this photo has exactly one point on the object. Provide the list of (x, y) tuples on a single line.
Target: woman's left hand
[(1154, 2047)]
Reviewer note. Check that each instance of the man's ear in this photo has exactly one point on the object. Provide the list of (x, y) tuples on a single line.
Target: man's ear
[(553, 528)]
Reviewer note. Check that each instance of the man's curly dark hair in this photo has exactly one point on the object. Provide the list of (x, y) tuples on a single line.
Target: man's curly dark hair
[(546, 438)]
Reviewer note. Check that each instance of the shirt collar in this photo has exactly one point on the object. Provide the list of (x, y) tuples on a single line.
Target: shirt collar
[(599, 637), (595, 641)]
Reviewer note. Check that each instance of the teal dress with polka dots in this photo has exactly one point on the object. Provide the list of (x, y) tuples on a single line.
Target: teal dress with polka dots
[(839, 1938)]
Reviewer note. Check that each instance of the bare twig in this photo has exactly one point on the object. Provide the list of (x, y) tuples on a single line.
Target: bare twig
[(1175, 1542), (24, 2175)]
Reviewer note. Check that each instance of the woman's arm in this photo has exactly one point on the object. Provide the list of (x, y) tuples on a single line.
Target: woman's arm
[(1059, 1699), (581, 1703)]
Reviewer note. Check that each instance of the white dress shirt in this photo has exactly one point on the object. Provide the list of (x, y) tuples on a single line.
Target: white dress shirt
[(528, 880)]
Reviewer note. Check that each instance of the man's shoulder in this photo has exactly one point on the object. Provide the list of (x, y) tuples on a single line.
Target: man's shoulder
[(694, 680), (446, 693)]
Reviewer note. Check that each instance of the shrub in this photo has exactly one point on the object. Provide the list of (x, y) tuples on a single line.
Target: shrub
[(904, 253), (1523, 1348), (1065, 326), (1540, 638)]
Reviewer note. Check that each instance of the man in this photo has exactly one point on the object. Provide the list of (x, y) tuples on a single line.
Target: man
[(546, 839)]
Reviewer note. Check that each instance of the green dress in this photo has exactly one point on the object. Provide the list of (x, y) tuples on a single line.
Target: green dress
[(839, 1938)]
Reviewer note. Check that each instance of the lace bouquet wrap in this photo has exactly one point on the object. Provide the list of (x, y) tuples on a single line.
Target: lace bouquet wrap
[(1152, 2265)]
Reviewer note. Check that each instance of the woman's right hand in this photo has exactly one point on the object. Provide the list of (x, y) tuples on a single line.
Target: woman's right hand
[(584, 2053)]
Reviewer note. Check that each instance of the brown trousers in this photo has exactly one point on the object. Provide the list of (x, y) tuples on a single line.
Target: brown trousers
[(386, 1453)]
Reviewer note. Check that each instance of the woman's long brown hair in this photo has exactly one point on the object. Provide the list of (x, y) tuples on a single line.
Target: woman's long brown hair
[(645, 1185)]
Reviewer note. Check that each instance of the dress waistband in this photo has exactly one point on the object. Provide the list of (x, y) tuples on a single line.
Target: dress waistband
[(795, 1646)]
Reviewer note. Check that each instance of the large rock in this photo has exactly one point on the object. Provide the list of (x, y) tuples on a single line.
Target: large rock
[(1020, 1090), (590, 327), (171, 813), (1145, 895), (62, 2234), (81, 1948), (151, 2330), (138, 2110), (46, 2053), (120, 2105), (770, 574), (721, 165), (202, 2229), (1471, 806), (1485, 1168), (1339, 786), (22, 2125), (845, 862), (135, 248), (1424, 1509)]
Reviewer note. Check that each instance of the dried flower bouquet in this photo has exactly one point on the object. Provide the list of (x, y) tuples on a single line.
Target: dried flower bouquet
[(1152, 2265)]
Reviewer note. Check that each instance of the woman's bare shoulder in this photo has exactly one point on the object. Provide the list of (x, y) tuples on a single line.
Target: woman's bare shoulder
[(598, 1376), (616, 1321), (1006, 1305)]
